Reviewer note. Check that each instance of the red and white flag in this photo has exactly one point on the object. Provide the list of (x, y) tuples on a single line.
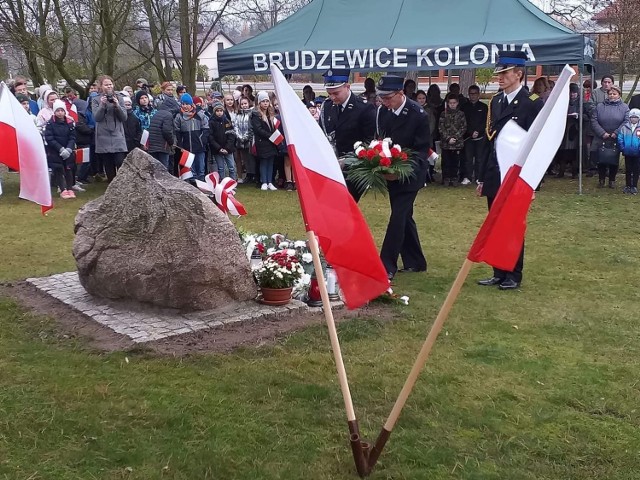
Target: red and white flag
[(524, 157), (276, 137), (144, 140), (433, 157), (83, 155), (23, 150), (186, 159), (327, 207)]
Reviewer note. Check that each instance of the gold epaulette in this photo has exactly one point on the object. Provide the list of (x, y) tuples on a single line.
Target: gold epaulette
[(534, 96)]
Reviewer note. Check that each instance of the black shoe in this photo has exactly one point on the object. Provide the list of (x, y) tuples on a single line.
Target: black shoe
[(490, 282), (508, 284), (412, 270), (601, 184), (390, 275), (612, 184), (289, 187)]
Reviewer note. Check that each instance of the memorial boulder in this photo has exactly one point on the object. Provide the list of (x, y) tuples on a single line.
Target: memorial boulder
[(156, 239)]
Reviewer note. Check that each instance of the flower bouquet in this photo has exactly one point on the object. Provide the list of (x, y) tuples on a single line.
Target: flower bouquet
[(276, 277), (373, 165)]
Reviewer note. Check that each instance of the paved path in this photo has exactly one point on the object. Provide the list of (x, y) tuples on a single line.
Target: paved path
[(143, 323)]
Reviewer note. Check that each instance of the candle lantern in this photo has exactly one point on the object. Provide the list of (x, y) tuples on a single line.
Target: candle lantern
[(332, 284), (314, 300), (256, 259)]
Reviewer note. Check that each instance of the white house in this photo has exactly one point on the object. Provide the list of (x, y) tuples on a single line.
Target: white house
[(209, 55)]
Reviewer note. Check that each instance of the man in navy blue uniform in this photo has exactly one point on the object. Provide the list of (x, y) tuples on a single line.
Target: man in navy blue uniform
[(345, 118), (513, 102), (407, 124)]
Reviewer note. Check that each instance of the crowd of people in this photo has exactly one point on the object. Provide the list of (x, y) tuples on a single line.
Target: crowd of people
[(233, 133)]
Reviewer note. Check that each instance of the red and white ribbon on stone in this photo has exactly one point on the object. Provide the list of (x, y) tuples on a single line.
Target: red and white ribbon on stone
[(223, 192)]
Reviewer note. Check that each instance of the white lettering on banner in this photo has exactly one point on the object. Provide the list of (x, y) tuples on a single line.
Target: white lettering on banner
[(312, 60), (485, 54), (422, 56), (287, 60), (527, 49), (439, 61), (275, 58), (457, 57), (357, 58), (382, 58), (379, 62), (260, 62), (337, 59), (400, 57), (324, 54)]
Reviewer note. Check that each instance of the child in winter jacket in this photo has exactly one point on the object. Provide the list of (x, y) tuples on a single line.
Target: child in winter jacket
[(60, 137), (453, 126), (222, 139), (629, 144), (192, 129), (132, 126)]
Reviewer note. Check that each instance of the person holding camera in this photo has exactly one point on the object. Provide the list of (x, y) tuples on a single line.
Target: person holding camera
[(110, 114)]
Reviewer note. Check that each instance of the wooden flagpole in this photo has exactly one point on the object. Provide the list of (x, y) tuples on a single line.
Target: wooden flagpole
[(419, 363), (354, 433)]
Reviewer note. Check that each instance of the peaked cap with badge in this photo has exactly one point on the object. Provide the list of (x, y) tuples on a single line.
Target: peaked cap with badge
[(336, 77)]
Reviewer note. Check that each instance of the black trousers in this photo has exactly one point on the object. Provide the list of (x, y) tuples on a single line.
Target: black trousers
[(475, 153), (602, 172), (567, 157), (451, 163), (516, 273), (631, 169), (112, 162), (401, 238), (63, 176)]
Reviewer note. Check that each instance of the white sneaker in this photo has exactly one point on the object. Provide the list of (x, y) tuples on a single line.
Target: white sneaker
[(240, 181), (78, 188), (271, 186), (264, 186), (465, 181)]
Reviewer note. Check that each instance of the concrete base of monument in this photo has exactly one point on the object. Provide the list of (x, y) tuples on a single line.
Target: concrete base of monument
[(143, 324)]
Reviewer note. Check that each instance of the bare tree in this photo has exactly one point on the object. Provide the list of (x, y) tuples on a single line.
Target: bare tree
[(265, 14)]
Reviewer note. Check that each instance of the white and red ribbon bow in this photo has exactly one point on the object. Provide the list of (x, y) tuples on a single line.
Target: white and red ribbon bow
[(223, 192)]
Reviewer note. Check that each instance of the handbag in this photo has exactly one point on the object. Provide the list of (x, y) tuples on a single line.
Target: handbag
[(608, 153)]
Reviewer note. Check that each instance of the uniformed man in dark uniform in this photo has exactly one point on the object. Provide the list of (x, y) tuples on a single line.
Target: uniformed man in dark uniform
[(407, 124), (512, 102), (345, 118)]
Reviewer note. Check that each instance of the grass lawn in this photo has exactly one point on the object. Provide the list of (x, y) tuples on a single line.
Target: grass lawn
[(540, 383)]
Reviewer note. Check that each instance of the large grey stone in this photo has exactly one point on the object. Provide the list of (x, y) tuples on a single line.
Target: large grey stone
[(154, 238)]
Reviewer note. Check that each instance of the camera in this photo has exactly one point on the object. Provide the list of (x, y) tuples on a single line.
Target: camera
[(110, 98)]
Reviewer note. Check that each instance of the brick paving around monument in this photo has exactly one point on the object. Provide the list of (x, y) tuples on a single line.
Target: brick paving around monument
[(145, 323)]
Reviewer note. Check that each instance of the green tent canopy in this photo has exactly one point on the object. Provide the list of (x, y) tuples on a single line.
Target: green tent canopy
[(406, 35)]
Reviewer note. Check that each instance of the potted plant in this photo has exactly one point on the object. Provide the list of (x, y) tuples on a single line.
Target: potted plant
[(277, 276)]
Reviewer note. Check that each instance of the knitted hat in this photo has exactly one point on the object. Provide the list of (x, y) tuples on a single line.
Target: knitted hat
[(57, 104), (22, 98), (262, 95), (186, 99), (216, 105), (197, 100), (634, 112), (140, 94)]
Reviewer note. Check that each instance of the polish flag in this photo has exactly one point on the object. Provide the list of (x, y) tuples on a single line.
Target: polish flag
[(186, 159), (144, 140), (23, 150), (185, 173), (524, 157), (72, 110), (83, 155), (276, 137), (327, 207), (433, 156)]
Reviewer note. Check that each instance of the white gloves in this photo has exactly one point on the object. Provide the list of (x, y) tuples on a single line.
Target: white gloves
[(65, 153)]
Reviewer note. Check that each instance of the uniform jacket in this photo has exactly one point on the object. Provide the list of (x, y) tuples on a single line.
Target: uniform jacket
[(221, 134), (132, 131), (476, 116), (192, 130), (161, 133), (261, 132), (452, 125), (59, 134), (356, 123), (110, 118), (523, 111), (410, 129), (628, 139)]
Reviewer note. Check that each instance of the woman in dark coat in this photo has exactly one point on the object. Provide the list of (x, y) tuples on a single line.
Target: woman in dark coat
[(263, 124), (606, 119), (161, 132)]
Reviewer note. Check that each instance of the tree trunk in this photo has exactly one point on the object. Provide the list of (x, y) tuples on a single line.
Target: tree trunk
[(188, 68), (467, 78), (155, 41)]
